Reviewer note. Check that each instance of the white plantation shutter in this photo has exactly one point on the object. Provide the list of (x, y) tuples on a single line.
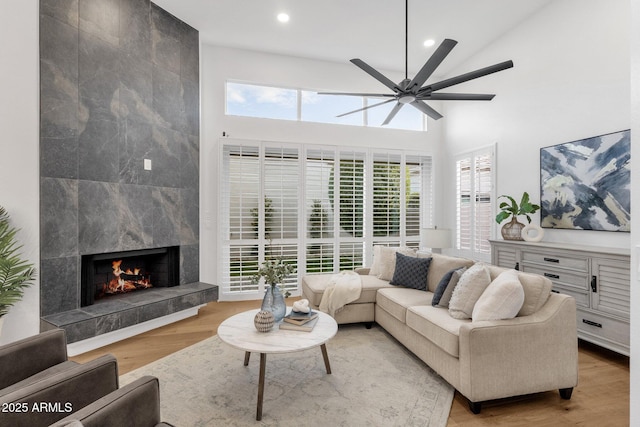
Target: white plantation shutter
[(318, 208), (240, 196), (319, 168), (474, 204)]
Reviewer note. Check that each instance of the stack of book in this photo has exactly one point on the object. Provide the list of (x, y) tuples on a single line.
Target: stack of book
[(297, 321)]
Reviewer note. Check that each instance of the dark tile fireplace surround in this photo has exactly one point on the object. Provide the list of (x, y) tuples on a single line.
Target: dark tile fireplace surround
[(119, 84)]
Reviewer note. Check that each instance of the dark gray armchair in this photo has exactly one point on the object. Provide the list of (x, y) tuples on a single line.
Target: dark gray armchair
[(135, 405), (39, 385)]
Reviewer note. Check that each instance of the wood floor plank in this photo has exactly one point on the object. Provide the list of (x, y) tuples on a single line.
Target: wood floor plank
[(601, 398)]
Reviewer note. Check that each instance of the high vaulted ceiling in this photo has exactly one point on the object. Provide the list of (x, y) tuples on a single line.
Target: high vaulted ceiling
[(338, 30)]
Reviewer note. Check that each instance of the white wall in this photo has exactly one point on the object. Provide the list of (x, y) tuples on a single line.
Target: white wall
[(570, 81), (635, 219), (19, 117), (219, 64)]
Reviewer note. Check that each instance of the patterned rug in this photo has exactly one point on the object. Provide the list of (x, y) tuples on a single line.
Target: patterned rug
[(375, 381)]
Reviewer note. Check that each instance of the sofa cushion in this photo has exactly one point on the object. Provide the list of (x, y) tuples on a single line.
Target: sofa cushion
[(411, 272), (440, 265), (536, 288), (502, 299), (314, 285), (447, 279), (395, 300), (469, 288), (384, 261), (436, 325)]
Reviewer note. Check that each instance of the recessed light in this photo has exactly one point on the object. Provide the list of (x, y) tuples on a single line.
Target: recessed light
[(429, 42), (283, 17)]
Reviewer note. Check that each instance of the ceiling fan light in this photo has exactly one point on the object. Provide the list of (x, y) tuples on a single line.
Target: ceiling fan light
[(406, 99), (283, 17), (429, 42)]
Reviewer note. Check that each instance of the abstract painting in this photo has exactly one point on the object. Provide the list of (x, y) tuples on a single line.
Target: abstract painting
[(585, 184)]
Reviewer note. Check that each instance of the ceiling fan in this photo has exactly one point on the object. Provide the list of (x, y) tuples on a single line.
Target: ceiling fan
[(412, 91)]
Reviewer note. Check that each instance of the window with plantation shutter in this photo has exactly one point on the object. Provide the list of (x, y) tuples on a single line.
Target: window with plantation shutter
[(474, 204), (319, 208)]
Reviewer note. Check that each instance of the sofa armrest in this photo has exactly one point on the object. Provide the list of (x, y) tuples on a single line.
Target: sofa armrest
[(52, 398), (518, 356), (363, 271), (26, 357), (136, 404)]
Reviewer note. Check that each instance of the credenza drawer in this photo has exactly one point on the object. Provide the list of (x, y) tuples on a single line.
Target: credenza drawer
[(613, 330), (581, 297), (555, 260), (559, 276)]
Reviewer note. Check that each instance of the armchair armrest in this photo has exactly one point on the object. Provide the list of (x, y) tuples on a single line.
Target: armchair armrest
[(52, 398), (136, 404), (518, 356), (23, 358)]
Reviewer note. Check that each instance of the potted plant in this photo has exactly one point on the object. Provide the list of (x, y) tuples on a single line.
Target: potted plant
[(274, 271), (15, 273), (513, 229)]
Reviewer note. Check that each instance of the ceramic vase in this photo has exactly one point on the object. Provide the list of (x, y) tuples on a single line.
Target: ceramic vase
[(273, 301), (512, 230)]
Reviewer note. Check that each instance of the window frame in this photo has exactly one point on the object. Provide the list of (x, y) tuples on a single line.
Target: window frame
[(342, 247), (477, 249)]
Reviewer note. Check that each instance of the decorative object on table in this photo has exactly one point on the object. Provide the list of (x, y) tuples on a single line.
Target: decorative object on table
[(513, 229), (274, 271), (585, 184), (436, 239), (264, 321), (532, 233), (305, 327), (15, 273), (301, 306)]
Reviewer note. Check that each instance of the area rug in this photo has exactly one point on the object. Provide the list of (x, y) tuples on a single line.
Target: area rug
[(375, 381)]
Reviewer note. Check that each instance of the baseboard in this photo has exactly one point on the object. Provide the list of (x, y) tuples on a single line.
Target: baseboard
[(84, 346)]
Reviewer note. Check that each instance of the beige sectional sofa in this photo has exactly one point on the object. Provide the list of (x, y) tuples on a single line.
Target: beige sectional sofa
[(484, 360)]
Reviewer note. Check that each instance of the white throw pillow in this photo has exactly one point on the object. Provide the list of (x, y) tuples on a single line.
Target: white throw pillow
[(384, 261), (502, 299), (468, 290)]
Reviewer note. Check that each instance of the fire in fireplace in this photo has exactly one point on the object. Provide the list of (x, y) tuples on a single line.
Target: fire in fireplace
[(116, 273)]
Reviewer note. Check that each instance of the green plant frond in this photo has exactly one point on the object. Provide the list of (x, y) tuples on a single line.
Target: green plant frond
[(16, 274)]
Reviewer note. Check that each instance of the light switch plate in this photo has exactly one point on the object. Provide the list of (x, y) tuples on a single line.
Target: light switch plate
[(147, 164)]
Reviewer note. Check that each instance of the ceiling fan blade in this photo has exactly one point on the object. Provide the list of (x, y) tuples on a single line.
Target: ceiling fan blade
[(369, 95), (366, 108), (426, 109), (456, 96), (375, 74), (393, 113), (466, 77), (432, 63)]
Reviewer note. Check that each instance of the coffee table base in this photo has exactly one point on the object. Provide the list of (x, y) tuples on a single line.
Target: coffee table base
[(263, 366)]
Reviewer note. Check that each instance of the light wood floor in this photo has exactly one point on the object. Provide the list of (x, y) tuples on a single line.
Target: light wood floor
[(601, 398)]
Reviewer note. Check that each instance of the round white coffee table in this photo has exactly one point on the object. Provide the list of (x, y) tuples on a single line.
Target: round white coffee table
[(239, 331)]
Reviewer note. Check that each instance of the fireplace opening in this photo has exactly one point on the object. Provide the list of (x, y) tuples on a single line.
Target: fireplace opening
[(116, 273)]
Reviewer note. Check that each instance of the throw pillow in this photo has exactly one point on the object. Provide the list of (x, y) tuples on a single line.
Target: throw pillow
[(455, 278), (386, 263), (411, 272), (468, 290), (377, 261), (442, 286), (502, 299)]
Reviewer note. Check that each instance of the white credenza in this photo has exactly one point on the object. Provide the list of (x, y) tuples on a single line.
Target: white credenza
[(598, 278)]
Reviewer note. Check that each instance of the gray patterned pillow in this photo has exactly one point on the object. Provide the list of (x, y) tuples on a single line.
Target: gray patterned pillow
[(411, 272)]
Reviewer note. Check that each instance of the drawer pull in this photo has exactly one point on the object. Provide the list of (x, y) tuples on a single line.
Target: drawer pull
[(555, 260), (594, 284), (589, 322), (551, 276)]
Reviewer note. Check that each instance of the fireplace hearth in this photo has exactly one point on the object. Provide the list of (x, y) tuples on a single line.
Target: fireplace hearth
[(115, 273)]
